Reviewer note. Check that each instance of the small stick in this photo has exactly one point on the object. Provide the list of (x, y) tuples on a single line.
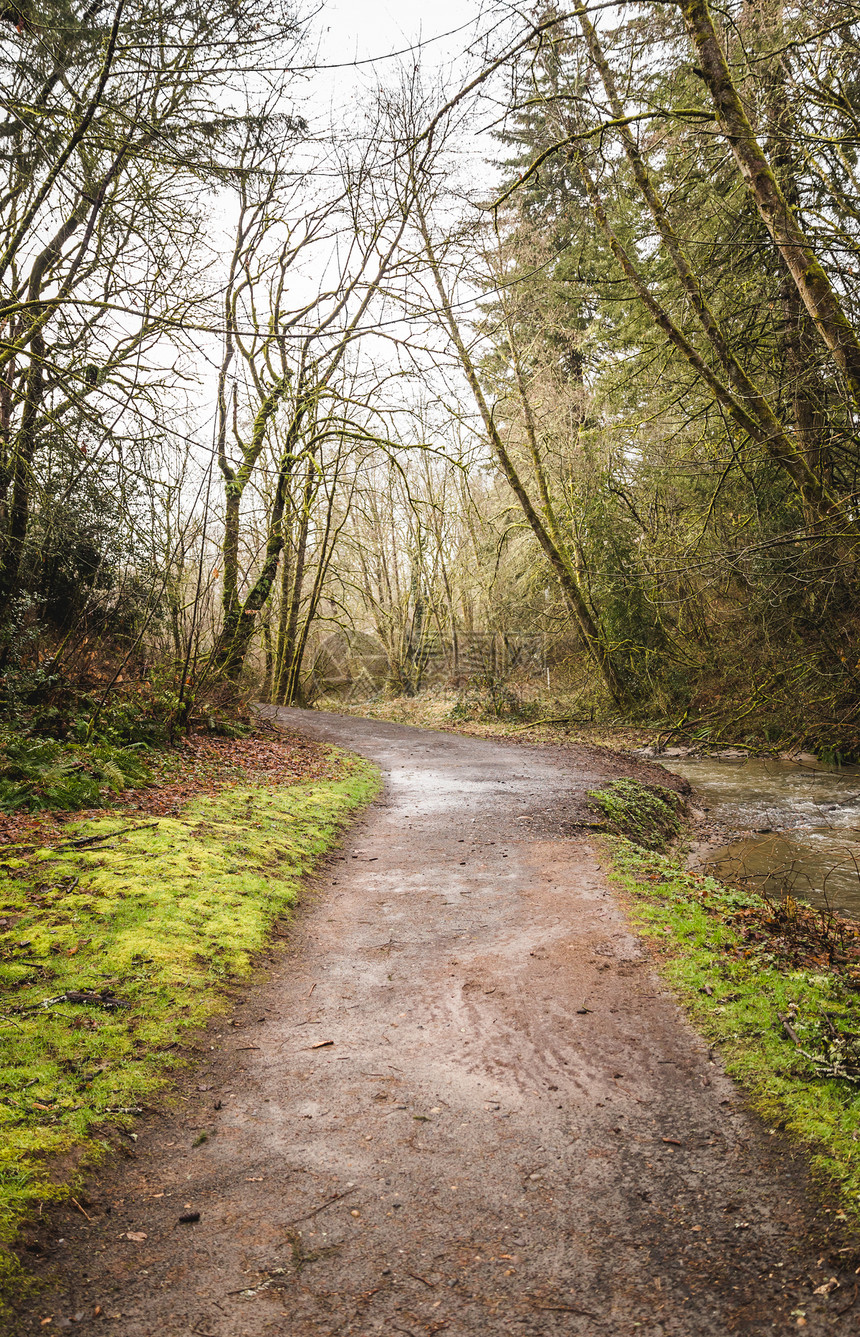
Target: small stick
[(321, 1207), (565, 1309), (788, 1028), (108, 835), (80, 1209)]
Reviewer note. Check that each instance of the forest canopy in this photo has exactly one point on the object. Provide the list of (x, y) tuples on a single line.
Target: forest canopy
[(532, 371)]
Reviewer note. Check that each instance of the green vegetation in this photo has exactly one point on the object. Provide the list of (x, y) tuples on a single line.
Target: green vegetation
[(789, 1033), (38, 773), (648, 814), (151, 922), (487, 695)]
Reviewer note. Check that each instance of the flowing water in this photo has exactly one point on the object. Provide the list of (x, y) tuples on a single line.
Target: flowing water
[(800, 826)]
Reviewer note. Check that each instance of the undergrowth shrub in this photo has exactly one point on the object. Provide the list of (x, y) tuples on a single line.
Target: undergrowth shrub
[(39, 773), (489, 695)]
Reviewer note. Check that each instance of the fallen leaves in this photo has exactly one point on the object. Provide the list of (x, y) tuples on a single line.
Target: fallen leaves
[(801, 937), (204, 765)]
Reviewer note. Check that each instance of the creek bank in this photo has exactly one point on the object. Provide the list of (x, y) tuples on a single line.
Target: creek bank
[(775, 985), (779, 826)]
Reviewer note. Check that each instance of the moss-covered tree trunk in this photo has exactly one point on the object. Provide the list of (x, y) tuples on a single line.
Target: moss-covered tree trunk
[(780, 219), (557, 557)]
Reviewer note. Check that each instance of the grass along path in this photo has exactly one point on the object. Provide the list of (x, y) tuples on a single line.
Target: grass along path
[(776, 986), (549, 722), (152, 922)]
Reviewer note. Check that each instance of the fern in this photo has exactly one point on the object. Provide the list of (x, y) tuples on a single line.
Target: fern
[(40, 773), (114, 776)]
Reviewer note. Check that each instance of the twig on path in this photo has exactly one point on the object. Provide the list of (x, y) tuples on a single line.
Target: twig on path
[(418, 1277), (253, 1290), (564, 1309), (337, 1197)]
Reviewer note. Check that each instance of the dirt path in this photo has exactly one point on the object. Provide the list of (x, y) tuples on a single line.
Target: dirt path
[(462, 1103)]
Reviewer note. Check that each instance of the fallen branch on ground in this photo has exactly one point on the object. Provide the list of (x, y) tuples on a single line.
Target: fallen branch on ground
[(108, 835)]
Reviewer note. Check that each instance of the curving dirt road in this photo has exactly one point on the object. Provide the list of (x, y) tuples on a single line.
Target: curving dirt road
[(463, 1103)]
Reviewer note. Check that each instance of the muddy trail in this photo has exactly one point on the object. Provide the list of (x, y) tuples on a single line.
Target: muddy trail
[(462, 1102)]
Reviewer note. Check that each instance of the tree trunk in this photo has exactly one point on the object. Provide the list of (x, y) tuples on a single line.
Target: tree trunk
[(781, 449), (564, 574), (790, 454), (268, 654), (812, 283), (288, 687)]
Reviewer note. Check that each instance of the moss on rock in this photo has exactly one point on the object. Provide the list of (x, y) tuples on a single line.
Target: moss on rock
[(649, 815)]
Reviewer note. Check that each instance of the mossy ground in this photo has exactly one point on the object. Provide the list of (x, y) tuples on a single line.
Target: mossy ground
[(162, 917), (735, 991), (647, 814)]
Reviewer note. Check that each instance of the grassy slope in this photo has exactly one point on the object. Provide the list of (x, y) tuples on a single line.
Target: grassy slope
[(688, 919), (162, 917)]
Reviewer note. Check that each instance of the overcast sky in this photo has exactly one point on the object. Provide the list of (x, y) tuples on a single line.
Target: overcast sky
[(363, 29), (360, 43)]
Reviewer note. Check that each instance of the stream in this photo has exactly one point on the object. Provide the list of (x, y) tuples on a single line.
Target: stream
[(788, 826)]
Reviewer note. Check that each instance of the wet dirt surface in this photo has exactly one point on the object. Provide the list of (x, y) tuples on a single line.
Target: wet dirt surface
[(461, 1103)]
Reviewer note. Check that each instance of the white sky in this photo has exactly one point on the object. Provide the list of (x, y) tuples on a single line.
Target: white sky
[(373, 32), (362, 29)]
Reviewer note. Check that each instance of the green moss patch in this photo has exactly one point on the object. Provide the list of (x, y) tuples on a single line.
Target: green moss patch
[(790, 1035), (648, 814), (110, 951)]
